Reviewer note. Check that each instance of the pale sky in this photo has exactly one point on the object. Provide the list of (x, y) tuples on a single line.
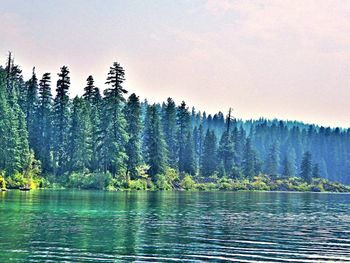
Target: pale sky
[(287, 59)]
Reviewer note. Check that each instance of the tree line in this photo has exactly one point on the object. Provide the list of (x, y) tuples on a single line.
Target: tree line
[(115, 133)]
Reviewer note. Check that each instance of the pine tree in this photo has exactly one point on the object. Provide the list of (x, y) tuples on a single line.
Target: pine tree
[(92, 93), (133, 148), (226, 153), (113, 123), (249, 160), (80, 140), (189, 165), (93, 103), (31, 111), (306, 167), (209, 158), (17, 146), (226, 147), (287, 167), (316, 171), (170, 131), (155, 144), (61, 122), (183, 124), (5, 129), (272, 161), (45, 123)]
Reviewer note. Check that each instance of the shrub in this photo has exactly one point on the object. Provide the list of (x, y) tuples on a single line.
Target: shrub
[(240, 185), (317, 188), (2, 182), (206, 186), (171, 175), (139, 184), (225, 186), (259, 185), (16, 180), (162, 183), (188, 183), (97, 180), (303, 187)]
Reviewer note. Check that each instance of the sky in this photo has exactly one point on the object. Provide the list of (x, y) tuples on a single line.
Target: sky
[(285, 59)]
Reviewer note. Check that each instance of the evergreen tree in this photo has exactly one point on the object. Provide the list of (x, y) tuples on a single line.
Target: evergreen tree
[(170, 131), (287, 167), (93, 100), (272, 161), (7, 141), (31, 111), (92, 93), (316, 171), (209, 158), (80, 141), (155, 143), (61, 122), (249, 160), (44, 123), (306, 167), (189, 165), (18, 145), (183, 123), (133, 148), (113, 123)]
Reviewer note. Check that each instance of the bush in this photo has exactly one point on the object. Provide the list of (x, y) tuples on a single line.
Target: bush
[(303, 187), (259, 185), (225, 186), (206, 186), (97, 180), (2, 182), (317, 188), (171, 175), (162, 182), (16, 181), (240, 185), (139, 184), (188, 183)]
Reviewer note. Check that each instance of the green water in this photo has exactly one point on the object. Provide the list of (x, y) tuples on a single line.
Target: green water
[(97, 226)]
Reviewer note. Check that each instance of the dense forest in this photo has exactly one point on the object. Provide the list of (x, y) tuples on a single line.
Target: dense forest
[(113, 139)]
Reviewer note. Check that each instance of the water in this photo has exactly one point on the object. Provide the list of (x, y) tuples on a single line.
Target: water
[(97, 226)]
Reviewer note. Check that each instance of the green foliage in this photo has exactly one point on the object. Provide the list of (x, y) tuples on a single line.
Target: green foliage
[(259, 185), (226, 153), (250, 163), (61, 123), (273, 160), (81, 136), (209, 158), (188, 183), (133, 147), (171, 175), (306, 167), (16, 181), (162, 183), (113, 124), (139, 184), (96, 180), (94, 141), (170, 131), (45, 123), (2, 181), (156, 155)]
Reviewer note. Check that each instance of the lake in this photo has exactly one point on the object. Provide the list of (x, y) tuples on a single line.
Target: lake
[(98, 226)]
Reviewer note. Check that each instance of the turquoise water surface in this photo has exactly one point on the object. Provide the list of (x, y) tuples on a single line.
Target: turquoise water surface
[(98, 226)]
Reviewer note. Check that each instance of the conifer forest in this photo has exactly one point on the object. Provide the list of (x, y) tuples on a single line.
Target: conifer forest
[(111, 139)]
